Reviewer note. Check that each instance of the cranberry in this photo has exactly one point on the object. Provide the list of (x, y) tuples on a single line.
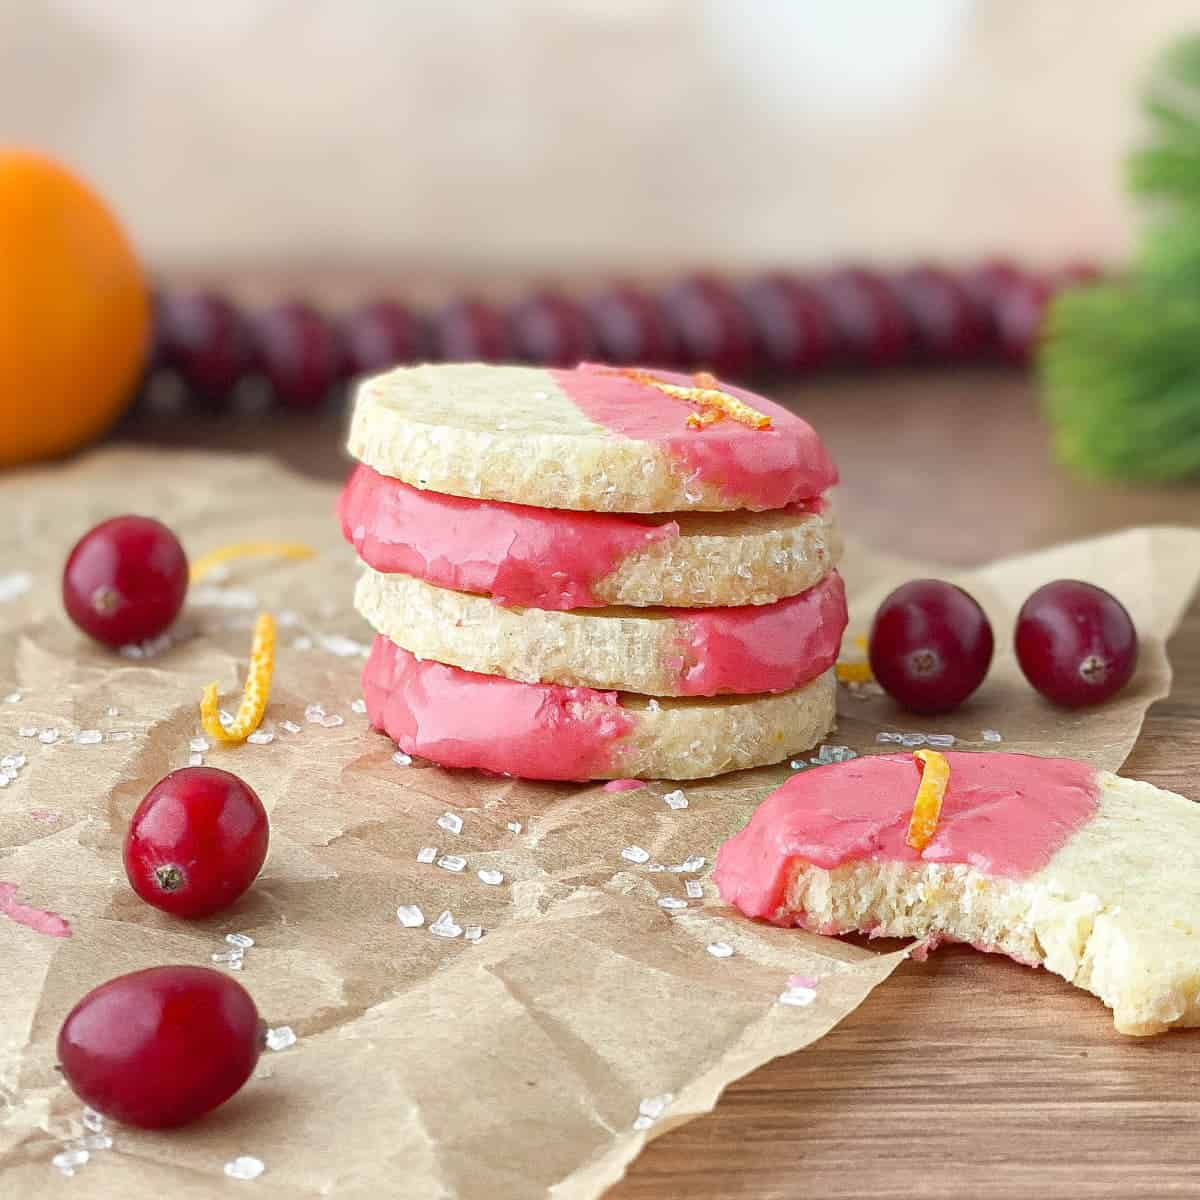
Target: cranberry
[(631, 327), (791, 322), (299, 353), (1018, 316), (125, 580), (471, 331), (712, 328), (930, 646), (196, 842), (1075, 643), (161, 1047), (382, 334), (944, 317), (871, 323), (205, 339), (552, 329)]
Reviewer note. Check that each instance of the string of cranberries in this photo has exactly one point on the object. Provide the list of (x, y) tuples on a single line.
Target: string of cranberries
[(779, 323), (931, 644)]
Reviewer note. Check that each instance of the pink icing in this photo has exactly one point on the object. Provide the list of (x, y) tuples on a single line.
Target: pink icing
[(463, 719), (764, 648), (1004, 814), (37, 919), (538, 557), (624, 785), (802, 981), (753, 468)]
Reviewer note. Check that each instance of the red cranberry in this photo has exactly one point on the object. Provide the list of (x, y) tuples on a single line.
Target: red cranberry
[(944, 317), (551, 329), (710, 325), (382, 334), (871, 323), (196, 842), (161, 1047), (205, 339), (631, 327), (1075, 643), (930, 646), (125, 580), (1018, 314), (792, 326), (471, 331), (299, 353)]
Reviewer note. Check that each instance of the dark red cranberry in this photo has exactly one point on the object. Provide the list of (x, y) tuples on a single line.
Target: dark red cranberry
[(299, 352), (1076, 643), (631, 327), (125, 580), (944, 317), (551, 329), (711, 328), (196, 842), (930, 646), (871, 323), (161, 1047), (471, 331), (204, 337), (792, 326), (382, 334), (1018, 315)]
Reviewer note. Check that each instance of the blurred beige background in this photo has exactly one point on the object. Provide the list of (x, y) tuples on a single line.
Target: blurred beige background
[(562, 134)]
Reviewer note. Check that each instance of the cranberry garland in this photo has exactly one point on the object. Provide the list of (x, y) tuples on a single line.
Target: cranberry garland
[(778, 323)]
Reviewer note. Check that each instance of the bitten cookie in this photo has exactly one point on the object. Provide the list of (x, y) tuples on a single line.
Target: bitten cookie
[(1094, 877), (543, 731), (556, 558), (656, 652), (594, 438)]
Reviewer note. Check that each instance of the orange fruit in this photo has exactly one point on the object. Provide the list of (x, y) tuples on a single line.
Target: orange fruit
[(74, 311)]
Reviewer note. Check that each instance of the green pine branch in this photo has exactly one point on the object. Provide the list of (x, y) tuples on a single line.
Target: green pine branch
[(1120, 363)]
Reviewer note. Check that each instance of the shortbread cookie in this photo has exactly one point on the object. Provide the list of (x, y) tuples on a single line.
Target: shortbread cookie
[(1094, 877), (594, 438), (554, 558), (543, 731), (655, 651)]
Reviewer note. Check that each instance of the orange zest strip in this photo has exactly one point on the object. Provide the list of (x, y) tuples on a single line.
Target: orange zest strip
[(707, 396), (854, 672), (927, 807), (206, 563), (256, 694)]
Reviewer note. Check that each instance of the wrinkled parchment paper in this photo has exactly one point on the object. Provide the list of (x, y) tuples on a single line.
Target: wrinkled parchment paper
[(512, 1066)]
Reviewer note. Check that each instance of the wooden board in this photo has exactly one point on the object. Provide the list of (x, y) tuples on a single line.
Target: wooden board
[(968, 1076)]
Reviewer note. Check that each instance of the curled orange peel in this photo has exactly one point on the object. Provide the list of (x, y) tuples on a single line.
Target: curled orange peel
[(707, 395), (207, 563), (854, 672), (255, 695), (927, 807)]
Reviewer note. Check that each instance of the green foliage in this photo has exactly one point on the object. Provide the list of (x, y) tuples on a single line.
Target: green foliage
[(1120, 362)]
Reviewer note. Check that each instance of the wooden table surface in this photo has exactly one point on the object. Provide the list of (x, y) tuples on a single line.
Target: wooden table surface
[(968, 1076)]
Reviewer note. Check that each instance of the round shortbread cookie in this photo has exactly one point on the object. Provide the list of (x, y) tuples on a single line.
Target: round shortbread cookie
[(557, 559), (589, 438), (544, 731), (658, 652)]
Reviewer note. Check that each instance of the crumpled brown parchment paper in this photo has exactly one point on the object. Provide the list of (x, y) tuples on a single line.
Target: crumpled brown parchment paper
[(512, 1066)]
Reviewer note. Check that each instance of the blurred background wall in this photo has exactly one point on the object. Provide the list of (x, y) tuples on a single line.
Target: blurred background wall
[(563, 134)]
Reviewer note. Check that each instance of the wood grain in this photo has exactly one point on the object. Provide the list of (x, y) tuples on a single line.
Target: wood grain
[(967, 1076)]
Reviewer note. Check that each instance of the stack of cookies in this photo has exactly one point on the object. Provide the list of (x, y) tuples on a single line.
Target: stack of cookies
[(595, 573)]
